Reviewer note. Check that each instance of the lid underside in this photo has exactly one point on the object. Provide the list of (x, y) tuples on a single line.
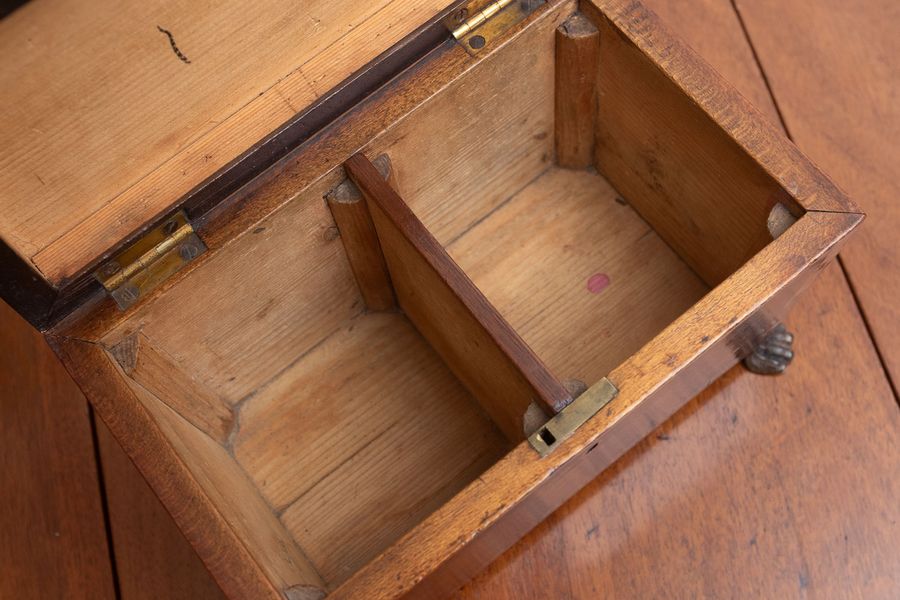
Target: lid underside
[(111, 111), (114, 113)]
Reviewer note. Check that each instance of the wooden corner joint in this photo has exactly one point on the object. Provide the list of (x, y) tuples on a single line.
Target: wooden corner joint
[(357, 231), (577, 61)]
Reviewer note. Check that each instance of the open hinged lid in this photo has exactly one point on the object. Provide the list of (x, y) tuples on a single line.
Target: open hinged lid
[(116, 114)]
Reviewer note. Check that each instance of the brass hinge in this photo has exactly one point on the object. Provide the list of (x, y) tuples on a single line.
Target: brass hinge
[(160, 253), (573, 416), (478, 22)]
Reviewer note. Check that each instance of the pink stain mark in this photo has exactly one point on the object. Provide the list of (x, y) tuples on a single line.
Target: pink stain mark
[(597, 282)]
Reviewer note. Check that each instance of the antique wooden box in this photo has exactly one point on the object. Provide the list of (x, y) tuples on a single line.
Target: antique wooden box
[(364, 315)]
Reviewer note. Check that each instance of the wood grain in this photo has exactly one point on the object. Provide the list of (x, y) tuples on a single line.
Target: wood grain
[(676, 142), (160, 456), (488, 356), (495, 131), (169, 124), (751, 477), (577, 273), (680, 170), (354, 223), (739, 119), (577, 57), (362, 439), (481, 510), (157, 373), (237, 502), (53, 540), (403, 117), (771, 477), (473, 528), (834, 72), (153, 559), (262, 302)]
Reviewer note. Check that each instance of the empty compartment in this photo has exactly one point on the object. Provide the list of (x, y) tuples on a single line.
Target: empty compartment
[(577, 272), (361, 439), (588, 260), (331, 428)]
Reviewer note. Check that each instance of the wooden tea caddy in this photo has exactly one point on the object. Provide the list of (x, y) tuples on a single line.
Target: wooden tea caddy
[(348, 354)]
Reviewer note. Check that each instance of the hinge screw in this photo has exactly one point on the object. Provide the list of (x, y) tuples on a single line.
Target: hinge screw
[(189, 251), (128, 292), (170, 227)]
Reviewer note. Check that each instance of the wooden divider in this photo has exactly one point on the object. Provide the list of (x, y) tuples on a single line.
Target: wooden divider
[(478, 345)]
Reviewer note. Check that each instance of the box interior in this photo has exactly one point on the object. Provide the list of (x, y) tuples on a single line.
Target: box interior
[(325, 430)]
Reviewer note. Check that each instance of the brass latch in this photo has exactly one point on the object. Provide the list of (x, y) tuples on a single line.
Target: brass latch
[(479, 22), (162, 251), (573, 416)]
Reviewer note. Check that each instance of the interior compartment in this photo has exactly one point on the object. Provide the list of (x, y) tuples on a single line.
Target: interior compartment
[(576, 272), (341, 423), (361, 439), (341, 426)]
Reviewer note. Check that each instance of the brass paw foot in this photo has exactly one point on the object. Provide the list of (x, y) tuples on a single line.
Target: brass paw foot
[(774, 354)]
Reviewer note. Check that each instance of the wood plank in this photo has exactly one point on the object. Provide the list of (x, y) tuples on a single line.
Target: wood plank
[(577, 57), (473, 528), (157, 441), (54, 542), (755, 472), (362, 439), (260, 303), (688, 72), (237, 502), (710, 28), (691, 154), (577, 273), (158, 373), (494, 126), (153, 559), (170, 123), (403, 118), (480, 347), (680, 170), (847, 59), (660, 515)]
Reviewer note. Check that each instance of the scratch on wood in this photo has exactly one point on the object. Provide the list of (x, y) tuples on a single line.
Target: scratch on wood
[(175, 49)]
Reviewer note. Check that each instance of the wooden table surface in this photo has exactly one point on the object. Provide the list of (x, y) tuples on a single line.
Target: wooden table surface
[(766, 487)]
